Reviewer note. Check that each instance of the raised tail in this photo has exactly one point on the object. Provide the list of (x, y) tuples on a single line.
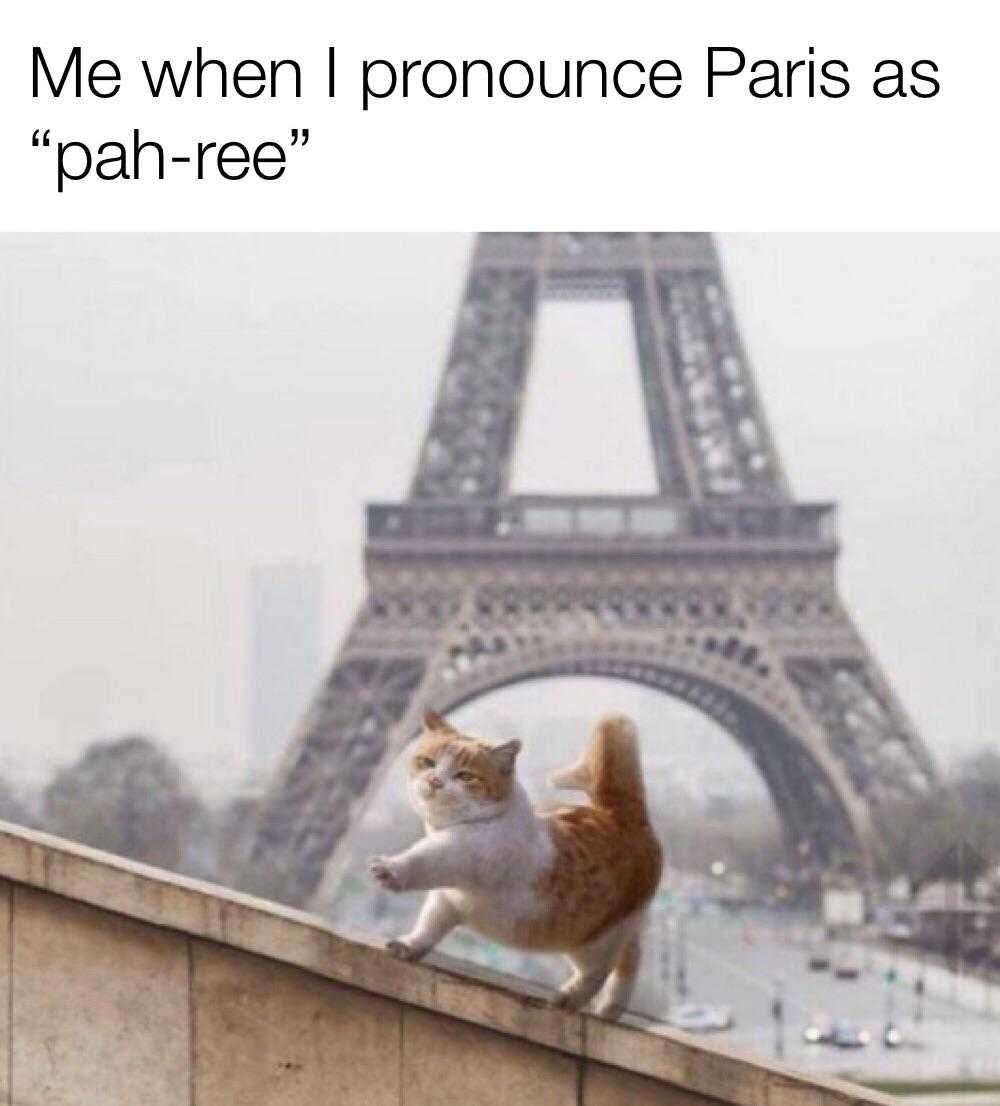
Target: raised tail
[(610, 771)]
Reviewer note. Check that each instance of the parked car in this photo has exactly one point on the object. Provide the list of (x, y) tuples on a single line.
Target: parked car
[(819, 961), (696, 1017), (848, 1035)]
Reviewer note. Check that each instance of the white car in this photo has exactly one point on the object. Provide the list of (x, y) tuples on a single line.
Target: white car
[(819, 1031), (696, 1017)]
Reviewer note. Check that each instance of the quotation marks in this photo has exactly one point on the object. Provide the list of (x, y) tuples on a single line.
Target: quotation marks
[(136, 157)]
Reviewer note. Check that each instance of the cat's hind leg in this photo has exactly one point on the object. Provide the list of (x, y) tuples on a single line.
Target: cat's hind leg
[(584, 982), (618, 988), (437, 918), (591, 965)]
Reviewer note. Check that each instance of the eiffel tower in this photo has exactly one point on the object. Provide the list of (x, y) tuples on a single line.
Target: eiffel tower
[(719, 590)]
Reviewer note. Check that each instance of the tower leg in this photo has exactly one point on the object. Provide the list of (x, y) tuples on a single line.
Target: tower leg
[(342, 740)]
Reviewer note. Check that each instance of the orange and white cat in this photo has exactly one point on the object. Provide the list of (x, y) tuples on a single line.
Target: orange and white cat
[(575, 880)]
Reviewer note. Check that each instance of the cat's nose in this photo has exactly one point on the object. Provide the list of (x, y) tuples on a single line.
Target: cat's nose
[(435, 782)]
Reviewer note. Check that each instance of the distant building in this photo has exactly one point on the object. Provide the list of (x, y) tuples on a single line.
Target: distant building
[(949, 920), (286, 614)]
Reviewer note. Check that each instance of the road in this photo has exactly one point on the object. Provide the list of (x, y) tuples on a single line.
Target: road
[(738, 961)]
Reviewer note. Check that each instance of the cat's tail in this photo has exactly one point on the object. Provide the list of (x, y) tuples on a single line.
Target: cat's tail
[(610, 771)]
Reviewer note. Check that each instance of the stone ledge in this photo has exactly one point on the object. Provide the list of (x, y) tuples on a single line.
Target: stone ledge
[(445, 986)]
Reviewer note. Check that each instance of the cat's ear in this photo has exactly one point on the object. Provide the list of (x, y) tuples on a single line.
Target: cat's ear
[(434, 721), (503, 756)]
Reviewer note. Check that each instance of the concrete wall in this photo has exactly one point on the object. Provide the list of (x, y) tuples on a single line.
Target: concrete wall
[(124, 985)]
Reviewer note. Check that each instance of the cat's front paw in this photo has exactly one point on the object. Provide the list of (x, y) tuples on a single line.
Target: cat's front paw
[(385, 874), (403, 951)]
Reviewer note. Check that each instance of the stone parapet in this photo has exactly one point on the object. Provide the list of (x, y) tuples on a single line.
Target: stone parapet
[(123, 984)]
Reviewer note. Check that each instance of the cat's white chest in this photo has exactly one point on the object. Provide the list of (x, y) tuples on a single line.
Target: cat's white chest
[(499, 915), (512, 857)]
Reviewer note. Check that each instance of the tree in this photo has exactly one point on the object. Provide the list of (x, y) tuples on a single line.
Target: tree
[(233, 839), (914, 831), (977, 798), (12, 809), (126, 796), (917, 832)]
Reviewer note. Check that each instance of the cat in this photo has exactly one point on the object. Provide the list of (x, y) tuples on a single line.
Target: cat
[(575, 880)]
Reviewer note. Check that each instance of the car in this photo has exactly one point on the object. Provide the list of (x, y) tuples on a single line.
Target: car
[(848, 1035), (818, 961), (847, 966), (694, 1017), (819, 1031), (899, 932)]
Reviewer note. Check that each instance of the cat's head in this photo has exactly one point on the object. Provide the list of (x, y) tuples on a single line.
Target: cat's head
[(455, 778)]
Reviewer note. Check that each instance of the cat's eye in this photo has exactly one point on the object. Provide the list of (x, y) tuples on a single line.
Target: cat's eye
[(423, 763), (465, 777)]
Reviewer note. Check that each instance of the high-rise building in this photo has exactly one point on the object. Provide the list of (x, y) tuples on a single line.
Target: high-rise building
[(286, 614)]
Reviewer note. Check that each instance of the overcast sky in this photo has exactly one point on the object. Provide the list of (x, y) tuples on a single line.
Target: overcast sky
[(175, 409)]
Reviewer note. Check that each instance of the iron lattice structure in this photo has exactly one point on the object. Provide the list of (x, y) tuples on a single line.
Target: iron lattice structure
[(719, 590)]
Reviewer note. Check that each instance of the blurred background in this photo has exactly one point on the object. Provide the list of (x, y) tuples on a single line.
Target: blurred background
[(191, 425)]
